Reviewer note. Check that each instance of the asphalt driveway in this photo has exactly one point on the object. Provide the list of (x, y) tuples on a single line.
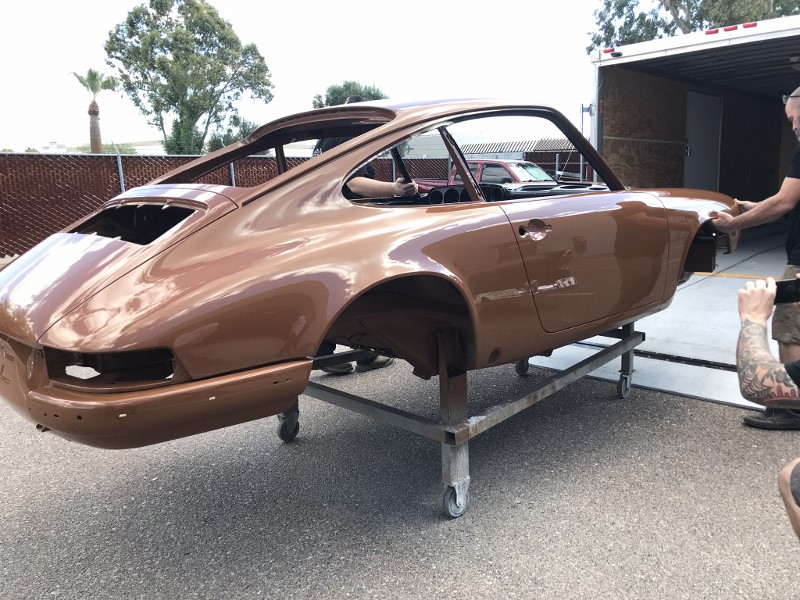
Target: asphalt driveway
[(581, 496)]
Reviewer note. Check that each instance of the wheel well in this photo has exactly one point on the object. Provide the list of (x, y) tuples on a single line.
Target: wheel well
[(401, 318), (702, 254)]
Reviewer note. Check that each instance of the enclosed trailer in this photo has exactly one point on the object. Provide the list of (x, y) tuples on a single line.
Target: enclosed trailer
[(701, 110)]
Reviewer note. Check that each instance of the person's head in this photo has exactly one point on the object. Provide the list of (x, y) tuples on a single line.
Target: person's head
[(354, 98), (793, 111)]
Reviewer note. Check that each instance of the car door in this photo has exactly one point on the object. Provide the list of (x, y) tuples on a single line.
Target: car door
[(591, 255)]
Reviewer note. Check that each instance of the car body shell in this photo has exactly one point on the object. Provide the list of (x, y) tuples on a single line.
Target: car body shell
[(239, 294)]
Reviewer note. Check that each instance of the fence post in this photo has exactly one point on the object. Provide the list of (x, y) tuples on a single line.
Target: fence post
[(121, 174), (233, 174)]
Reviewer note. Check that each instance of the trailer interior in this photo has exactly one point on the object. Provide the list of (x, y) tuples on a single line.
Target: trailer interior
[(701, 110)]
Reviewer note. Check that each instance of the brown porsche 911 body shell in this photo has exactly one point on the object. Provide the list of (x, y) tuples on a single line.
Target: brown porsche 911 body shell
[(235, 298)]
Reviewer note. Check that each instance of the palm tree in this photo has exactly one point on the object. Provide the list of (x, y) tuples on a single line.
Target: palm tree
[(95, 82)]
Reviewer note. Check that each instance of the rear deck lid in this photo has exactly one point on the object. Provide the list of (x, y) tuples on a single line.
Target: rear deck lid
[(71, 266)]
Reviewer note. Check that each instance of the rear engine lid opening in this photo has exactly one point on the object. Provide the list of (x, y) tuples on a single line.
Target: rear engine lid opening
[(135, 223)]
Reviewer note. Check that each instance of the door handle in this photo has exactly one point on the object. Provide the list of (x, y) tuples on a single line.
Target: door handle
[(535, 229)]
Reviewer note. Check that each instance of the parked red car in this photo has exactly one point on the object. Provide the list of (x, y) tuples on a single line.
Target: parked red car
[(518, 178)]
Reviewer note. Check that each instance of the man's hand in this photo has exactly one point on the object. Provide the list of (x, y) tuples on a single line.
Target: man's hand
[(402, 188), (757, 301), (762, 378), (722, 221), (745, 205)]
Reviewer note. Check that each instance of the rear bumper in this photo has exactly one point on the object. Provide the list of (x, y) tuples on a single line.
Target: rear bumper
[(140, 418)]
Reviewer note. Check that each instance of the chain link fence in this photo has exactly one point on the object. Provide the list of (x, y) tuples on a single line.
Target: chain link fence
[(41, 194)]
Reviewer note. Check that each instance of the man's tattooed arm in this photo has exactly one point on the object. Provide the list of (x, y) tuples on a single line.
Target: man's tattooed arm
[(761, 377)]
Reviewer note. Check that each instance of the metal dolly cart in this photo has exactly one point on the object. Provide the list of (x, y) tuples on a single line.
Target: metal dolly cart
[(455, 427)]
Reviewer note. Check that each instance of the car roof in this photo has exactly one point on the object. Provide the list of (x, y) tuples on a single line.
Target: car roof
[(412, 110), (389, 115), (383, 118)]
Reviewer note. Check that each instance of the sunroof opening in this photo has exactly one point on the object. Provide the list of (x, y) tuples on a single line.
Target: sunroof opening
[(135, 223)]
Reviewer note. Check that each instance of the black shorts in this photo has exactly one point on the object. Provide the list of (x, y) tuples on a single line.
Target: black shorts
[(786, 318)]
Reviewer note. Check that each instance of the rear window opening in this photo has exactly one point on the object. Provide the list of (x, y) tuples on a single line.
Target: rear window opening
[(135, 223)]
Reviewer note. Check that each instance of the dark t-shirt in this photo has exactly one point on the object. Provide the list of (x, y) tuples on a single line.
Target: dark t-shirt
[(325, 144), (368, 170), (793, 230)]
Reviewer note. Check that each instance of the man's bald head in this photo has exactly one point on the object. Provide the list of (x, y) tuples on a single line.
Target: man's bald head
[(793, 112), (794, 97)]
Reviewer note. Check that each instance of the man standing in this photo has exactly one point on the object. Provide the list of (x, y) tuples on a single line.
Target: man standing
[(786, 319), (764, 380)]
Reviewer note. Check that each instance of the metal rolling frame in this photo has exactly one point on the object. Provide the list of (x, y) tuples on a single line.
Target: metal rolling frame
[(455, 427)]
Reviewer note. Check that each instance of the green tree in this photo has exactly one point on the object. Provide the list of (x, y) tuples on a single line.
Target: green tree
[(729, 12), (184, 138), (184, 67), (629, 21), (95, 82), (237, 129), (338, 94)]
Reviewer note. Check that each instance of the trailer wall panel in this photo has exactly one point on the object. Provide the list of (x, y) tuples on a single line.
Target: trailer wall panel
[(643, 127)]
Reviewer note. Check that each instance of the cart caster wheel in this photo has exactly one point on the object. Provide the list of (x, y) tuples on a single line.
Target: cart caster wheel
[(624, 386), (450, 502), (284, 432), (522, 367), (289, 425)]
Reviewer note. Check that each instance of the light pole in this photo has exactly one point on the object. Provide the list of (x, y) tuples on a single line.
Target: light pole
[(585, 109)]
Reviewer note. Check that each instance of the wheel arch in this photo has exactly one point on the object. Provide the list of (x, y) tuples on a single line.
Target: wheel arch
[(402, 317), (701, 253)]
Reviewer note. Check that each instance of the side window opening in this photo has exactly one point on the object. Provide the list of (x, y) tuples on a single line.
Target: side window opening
[(511, 156)]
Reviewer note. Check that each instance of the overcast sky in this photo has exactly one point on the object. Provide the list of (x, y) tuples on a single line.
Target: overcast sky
[(520, 49)]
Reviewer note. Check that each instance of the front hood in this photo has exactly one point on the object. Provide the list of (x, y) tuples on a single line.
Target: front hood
[(54, 277)]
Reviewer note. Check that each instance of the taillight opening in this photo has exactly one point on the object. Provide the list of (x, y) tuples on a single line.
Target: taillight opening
[(112, 370)]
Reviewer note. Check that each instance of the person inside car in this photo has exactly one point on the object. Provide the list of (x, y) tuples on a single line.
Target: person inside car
[(362, 184)]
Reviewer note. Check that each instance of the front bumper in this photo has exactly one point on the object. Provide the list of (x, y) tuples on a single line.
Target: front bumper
[(143, 417)]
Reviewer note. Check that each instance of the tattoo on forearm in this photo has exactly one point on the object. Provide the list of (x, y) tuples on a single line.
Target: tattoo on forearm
[(761, 377)]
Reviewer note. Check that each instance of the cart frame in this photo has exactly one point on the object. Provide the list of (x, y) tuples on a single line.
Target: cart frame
[(455, 426)]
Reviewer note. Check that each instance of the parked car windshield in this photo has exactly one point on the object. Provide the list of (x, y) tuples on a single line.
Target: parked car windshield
[(526, 171)]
